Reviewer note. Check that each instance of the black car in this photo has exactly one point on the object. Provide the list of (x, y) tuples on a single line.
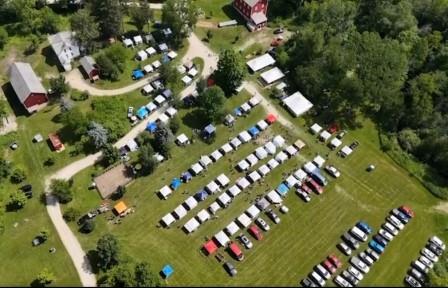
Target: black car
[(354, 145), (230, 268), (380, 240), (307, 282), (350, 240), (26, 187), (28, 194), (435, 249)]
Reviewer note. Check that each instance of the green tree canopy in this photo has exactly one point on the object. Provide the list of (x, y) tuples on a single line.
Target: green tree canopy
[(108, 250), (231, 71), (211, 103)]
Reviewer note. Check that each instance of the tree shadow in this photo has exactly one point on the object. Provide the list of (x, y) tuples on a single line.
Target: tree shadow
[(13, 100), (92, 255), (51, 59), (194, 119), (35, 283), (231, 12)]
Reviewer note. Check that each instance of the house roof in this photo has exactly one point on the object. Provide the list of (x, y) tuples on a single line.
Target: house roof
[(260, 62), (120, 207), (259, 18), (272, 75), (297, 104), (65, 47), (25, 81), (251, 3), (88, 64)]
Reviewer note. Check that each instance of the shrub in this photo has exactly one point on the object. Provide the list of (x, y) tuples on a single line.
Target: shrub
[(71, 214)]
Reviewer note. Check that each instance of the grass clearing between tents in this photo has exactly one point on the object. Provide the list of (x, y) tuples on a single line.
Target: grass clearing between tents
[(304, 237)]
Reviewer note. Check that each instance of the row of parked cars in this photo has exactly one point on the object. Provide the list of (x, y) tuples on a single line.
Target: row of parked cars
[(322, 272), (430, 254)]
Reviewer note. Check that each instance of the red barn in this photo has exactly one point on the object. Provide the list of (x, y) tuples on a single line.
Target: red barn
[(28, 87), (90, 67), (254, 11)]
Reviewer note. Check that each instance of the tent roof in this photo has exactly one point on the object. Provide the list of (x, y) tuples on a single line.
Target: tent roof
[(142, 54), (214, 207), (180, 211), (315, 128), (224, 199), (245, 107), (120, 207), (132, 145), (186, 176), (272, 75), (203, 216), (210, 247), (165, 191), (243, 165), (226, 148), (272, 163), (255, 100), (243, 183), (309, 167), (221, 238), (271, 118), (262, 125), (201, 195), (163, 118), (156, 64), (319, 161), (253, 211), (299, 144), (254, 176), (223, 180), (264, 170), (244, 136), (212, 187), (232, 228), (281, 157), (148, 88), (151, 50), (193, 72), (253, 131), (278, 141), (336, 142), (300, 174), (191, 202), (128, 42), (235, 142), (187, 79), (274, 197), (171, 111), (270, 148), (261, 153), (192, 225), (252, 159), (258, 17), (196, 168), (297, 104), (325, 135), (244, 220), (260, 62), (291, 150), (138, 39), (346, 150), (216, 155), (182, 138), (175, 183), (234, 190), (167, 271), (210, 129), (172, 54), (159, 99), (263, 203), (205, 161), (163, 47), (168, 219), (282, 189), (291, 181)]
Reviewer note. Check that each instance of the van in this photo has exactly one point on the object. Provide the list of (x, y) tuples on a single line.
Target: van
[(420, 266), (358, 233), (318, 177)]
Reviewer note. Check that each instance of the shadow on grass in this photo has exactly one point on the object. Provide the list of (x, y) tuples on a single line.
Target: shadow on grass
[(92, 255), (13, 100), (51, 59), (231, 12), (194, 119)]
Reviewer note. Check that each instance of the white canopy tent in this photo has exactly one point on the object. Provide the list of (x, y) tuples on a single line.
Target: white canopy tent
[(150, 51), (324, 135), (245, 107), (272, 163), (224, 199), (182, 139), (255, 100), (156, 64), (205, 161), (319, 161), (222, 238), (345, 151), (138, 40), (309, 167), (270, 148), (226, 148), (272, 75), (187, 80), (196, 168), (264, 170), (244, 137), (291, 181), (193, 72), (254, 176), (260, 62), (274, 198), (132, 145), (159, 100), (223, 180), (291, 150), (278, 141), (234, 191), (300, 175), (216, 155), (148, 69), (151, 106), (315, 128), (128, 43), (203, 216), (232, 228), (244, 220), (191, 203), (214, 207), (168, 219), (335, 143), (147, 89), (165, 191), (180, 212), (243, 165), (212, 187), (172, 55), (262, 125), (181, 69), (252, 160), (281, 157), (297, 104), (171, 111), (141, 55), (261, 153), (235, 142), (243, 183), (253, 211), (192, 225), (164, 119)]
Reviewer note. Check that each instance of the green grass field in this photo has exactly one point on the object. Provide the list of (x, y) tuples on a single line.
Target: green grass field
[(304, 237)]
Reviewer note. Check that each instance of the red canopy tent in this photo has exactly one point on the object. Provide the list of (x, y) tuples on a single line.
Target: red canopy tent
[(271, 118), (210, 247)]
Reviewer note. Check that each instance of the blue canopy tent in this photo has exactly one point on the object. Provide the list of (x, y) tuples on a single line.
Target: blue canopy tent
[(167, 271), (137, 74), (282, 189), (167, 93), (237, 112), (201, 195), (142, 113), (175, 183), (209, 130), (151, 127), (253, 131), (186, 176)]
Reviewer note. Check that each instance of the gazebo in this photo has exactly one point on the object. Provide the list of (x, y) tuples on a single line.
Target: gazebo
[(209, 130), (120, 208)]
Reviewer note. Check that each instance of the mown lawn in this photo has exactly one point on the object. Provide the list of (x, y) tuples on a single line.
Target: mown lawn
[(217, 10), (304, 237)]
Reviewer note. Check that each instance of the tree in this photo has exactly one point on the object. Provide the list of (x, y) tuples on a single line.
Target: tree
[(146, 159), (120, 276), (75, 121), (71, 214), (108, 69), (175, 124), (171, 77), (85, 27), (231, 71), (209, 35), (110, 154), (181, 16), (109, 16), (58, 86), (163, 140), (211, 103), (108, 250), (144, 277), (409, 140), (5, 168), (45, 277), (88, 226), (140, 15), (18, 176), (62, 190), (49, 21), (98, 135), (17, 200), (66, 104), (3, 37)]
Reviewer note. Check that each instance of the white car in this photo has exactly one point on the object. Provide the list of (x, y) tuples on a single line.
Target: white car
[(355, 272), (429, 254), (333, 171), (341, 282), (265, 226), (390, 228), (322, 271), (359, 264), (284, 209), (420, 266), (395, 221), (426, 261), (436, 240), (130, 111), (366, 258), (386, 235), (319, 280)]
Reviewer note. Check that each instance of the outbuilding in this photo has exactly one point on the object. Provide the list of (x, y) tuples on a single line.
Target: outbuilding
[(260, 62), (90, 67), (272, 75), (297, 104)]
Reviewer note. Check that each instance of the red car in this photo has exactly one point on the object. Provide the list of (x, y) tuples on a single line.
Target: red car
[(407, 210), (336, 262), (306, 189), (313, 185), (255, 232), (236, 251), (329, 266)]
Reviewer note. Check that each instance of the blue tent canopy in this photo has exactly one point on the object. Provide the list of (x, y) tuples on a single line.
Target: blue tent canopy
[(175, 183), (201, 195), (209, 129), (237, 112), (151, 127), (282, 189), (253, 131), (137, 74), (167, 271), (142, 113), (167, 93), (186, 176)]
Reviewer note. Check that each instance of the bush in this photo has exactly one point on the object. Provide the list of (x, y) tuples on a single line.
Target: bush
[(17, 200), (88, 226), (62, 190), (71, 214), (50, 161), (408, 140), (80, 97), (18, 176), (175, 124)]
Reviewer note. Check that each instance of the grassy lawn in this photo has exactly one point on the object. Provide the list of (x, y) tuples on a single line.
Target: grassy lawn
[(225, 38), (304, 237), (217, 10)]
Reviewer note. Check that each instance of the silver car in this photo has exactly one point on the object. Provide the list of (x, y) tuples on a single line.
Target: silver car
[(426, 261), (263, 225), (355, 272), (386, 235), (322, 271), (390, 228), (359, 264), (429, 254)]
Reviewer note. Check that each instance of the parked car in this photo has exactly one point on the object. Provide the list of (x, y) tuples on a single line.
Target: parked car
[(284, 209), (359, 264), (358, 234), (420, 266), (329, 266), (341, 282), (335, 261), (390, 228), (235, 251), (407, 210), (350, 240), (386, 235), (344, 248), (378, 248), (130, 111), (375, 256), (429, 254), (438, 242), (322, 271), (302, 194), (426, 261), (314, 186), (253, 229), (354, 145), (263, 225), (307, 282), (274, 217), (400, 215), (417, 275), (341, 134), (306, 189), (364, 227), (317, 279), (366, 258), (394, 221), (349, 277), (230, 269), (245, 241), (355, 272), (333, 171), (380, 240), (411, 281), (434, 248)]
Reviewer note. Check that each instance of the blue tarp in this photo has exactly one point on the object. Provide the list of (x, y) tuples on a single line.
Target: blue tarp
[(186, 176), (142, 113), (175, 183), (282, 189), (253, 131), (201, 195), (152, 126), (137, 74), (167, 271), (209, 129)]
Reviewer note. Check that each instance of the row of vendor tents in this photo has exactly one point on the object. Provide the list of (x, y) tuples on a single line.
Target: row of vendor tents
[(207, 160), (325, 135), (160, 100)]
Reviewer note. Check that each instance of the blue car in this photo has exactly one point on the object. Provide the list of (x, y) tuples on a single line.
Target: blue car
[(376, 247), (364, 227)]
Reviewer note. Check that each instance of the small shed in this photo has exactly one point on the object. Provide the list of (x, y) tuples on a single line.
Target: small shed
[(244, 137), (90, 67), (210, 247), (281, 157), (216, 155), (180, 212), (214, 207), (335, 143), (243, 183), (224, 199), (235, 142), (278, 141), (182, 140), (261, 153), (120, 208), (203, 216), (315, 128), (192, 225), (196, 169), (212, 187), (270, 148), (253, 211), (272, 163), (167, 271), (262, 125), (165, 192), (324, 135), (232, 228), (234, 191), (221, 238), (264, 170), (254, 176), (243, 165), (319, 161), (168, 219), (244, 220), (205, 161), (223, 180), (226, 148)]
